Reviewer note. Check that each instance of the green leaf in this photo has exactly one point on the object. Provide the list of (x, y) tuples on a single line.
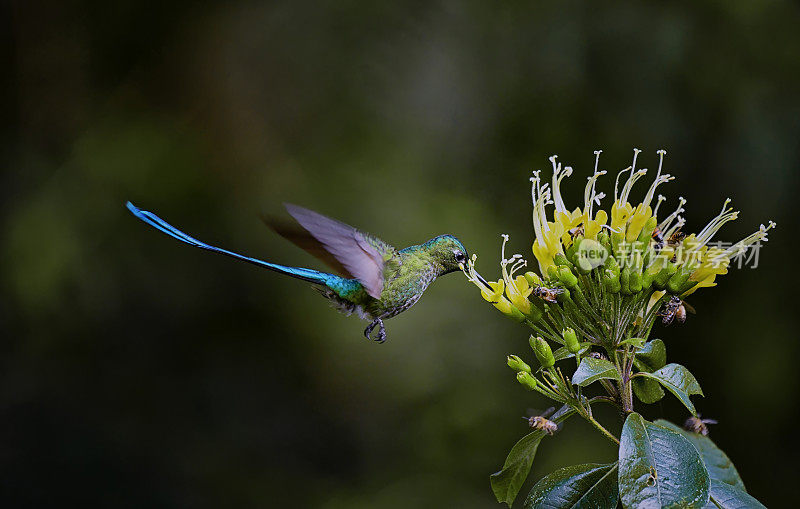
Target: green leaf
[(590, 486), (651, 357), (591, 370), (562, 353), (508, 481), (679, 381), (647, 390), (659, 468), (725, 496), (635, 342), (717, 463)]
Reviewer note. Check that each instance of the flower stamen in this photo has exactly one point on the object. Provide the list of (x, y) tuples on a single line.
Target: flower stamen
[(590, 197), (660, 179), (725, 215), (742, 245), (558, 176), (664, 225)]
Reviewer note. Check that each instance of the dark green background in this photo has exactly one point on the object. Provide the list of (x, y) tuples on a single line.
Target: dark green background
[(138, 372)]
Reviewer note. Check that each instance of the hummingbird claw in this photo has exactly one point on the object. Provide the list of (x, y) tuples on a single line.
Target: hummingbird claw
[(381, 330), (381, 333)]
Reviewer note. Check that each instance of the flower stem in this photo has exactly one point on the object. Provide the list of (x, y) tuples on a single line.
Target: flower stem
[(601, 429), (625, 388)]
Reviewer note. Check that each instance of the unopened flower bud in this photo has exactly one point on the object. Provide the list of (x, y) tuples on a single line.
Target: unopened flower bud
[(571, 341), (517, 364), (624, 280), (544, 354), (604, 240), (660, 280), (647, 280), (612, 265), (567, 278), (560, 259), (647, 230), (533, 278), (527, 380), (678, 280), (611, 282), (635, 282), (617, 242), (573, 248)]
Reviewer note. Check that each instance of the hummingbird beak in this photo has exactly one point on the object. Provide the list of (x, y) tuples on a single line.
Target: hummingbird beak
[(478, 276), (484, 282)]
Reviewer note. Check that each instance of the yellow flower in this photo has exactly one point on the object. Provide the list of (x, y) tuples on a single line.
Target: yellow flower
[(493, 291), (644, 254)]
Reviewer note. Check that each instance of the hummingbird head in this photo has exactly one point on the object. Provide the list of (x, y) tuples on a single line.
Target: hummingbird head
[(448, 251)]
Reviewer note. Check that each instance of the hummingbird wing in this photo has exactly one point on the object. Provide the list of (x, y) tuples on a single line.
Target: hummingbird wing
[(301, 238), (361, 255)]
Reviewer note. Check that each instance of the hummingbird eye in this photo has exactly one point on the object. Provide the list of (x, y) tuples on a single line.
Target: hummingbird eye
[(460, 256)]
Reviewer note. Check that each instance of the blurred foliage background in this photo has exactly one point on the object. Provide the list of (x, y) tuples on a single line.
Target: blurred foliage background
[(139, 372)]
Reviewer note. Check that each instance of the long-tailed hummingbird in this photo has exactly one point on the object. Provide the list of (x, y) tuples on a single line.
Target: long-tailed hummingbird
[(375, 280)]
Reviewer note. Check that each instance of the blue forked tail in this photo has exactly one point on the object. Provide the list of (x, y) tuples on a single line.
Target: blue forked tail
[(310, 275)]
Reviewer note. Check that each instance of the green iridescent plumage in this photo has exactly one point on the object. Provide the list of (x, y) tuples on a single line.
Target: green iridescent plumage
[(375, 280), (407, 274)]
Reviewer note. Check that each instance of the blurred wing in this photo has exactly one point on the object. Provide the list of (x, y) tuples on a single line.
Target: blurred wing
[(537, 412), (304, 240), (561, 411), (360, 254), (689, 308)]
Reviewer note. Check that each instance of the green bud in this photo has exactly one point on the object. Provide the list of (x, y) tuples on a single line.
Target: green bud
[(604, 240), (560, 259), (566, 276), (625, 279), (527, 380), (572, 250), (647, 280), (533, 278), (664, 275), (552, 272), (517, 364), (611, 282), (678, 280), (543, 352), (571, 341), (647, 230), (612, 265), (616, 242), (635, 282)]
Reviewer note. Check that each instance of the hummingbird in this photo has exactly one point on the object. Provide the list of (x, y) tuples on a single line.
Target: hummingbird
[(372, 279)]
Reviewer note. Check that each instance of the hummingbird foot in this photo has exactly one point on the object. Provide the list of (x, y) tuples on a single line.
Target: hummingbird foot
[(381, 330)]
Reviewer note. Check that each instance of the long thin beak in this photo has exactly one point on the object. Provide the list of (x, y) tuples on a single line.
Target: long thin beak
[(480, 278), (484, 282)]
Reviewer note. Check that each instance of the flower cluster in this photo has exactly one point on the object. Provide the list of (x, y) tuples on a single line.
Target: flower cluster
[(608, 275), (603, 280)]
